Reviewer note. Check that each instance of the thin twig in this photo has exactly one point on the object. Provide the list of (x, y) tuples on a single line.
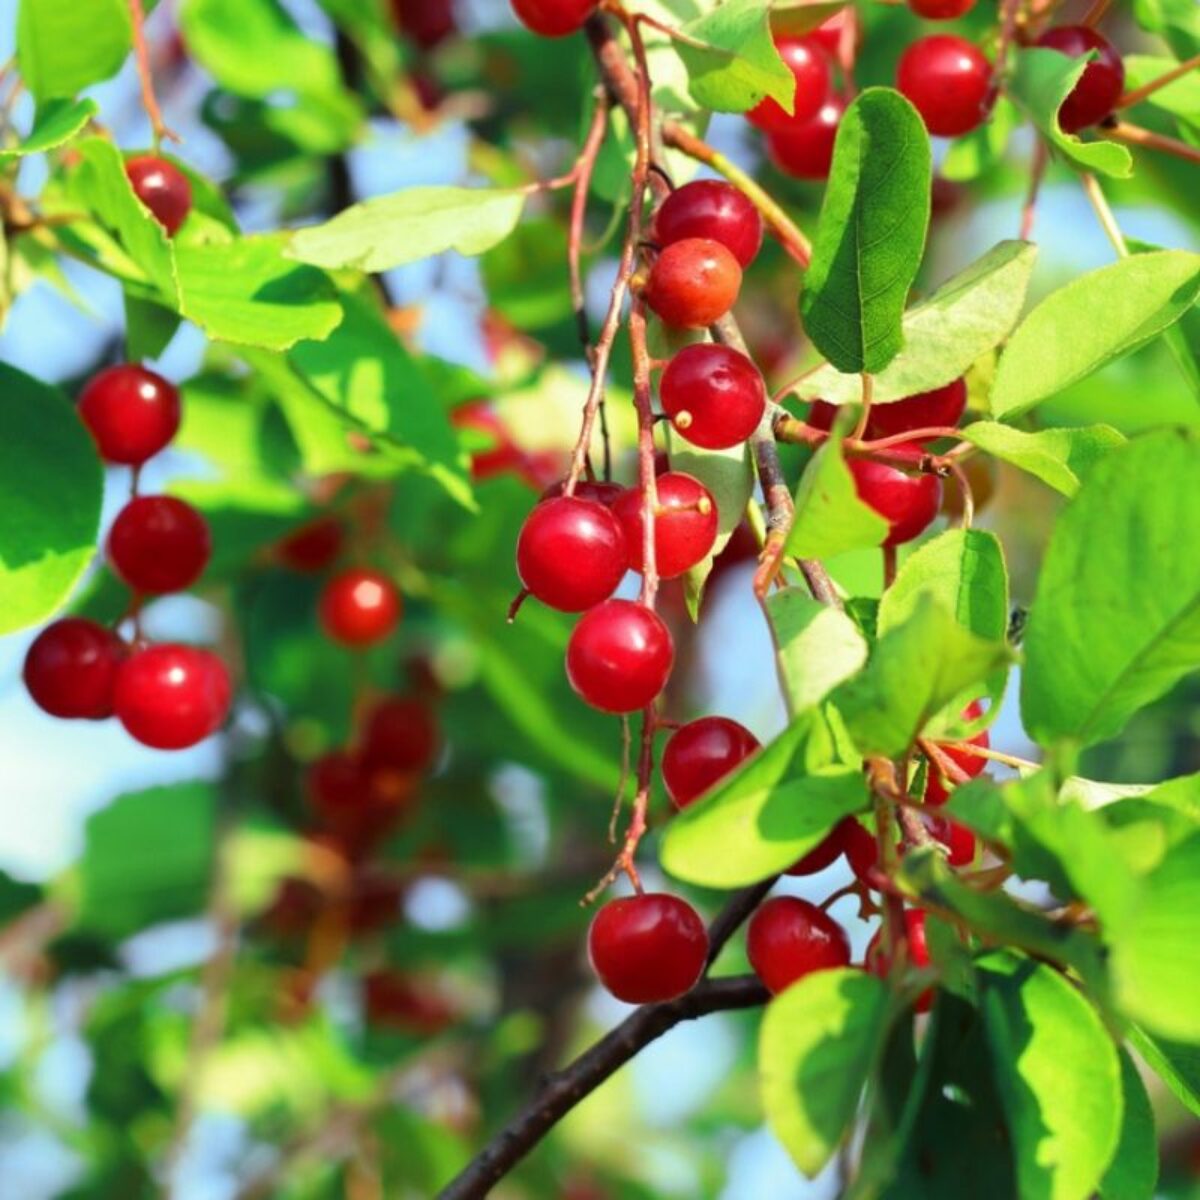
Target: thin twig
[(1137, 95), (1104, 214), (158, 126), (1135, 135), (1037, 172)]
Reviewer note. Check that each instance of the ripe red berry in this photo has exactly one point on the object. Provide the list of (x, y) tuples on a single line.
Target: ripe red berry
[(693, 283), (571, 553), (860, 848), (131, 413), (789, 938), (948, 81), (648, 948), (172, 696), (973, 764), (71, 667), (942, 406), (805, 150), (941, 10), (401, 734), (828, 35), (685, 526), (359, 606), (338, 790), (425, 22), (821, 856), (701, 753), (619, 656), (805, 57), (714, 395), (159, 544), (313, 546), (879, 963), (908, 502), (1102, 81), (394, 1000), (553, 18), (710, 208), (956, 837), (163, 188), (587, 489)]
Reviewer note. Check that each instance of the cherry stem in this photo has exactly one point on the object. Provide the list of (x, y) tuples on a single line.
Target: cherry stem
[(864, 417), (1137, 95), (1096, 13), (158, 126), (619, 799), (946, 767), (889, 566), (515, 606), (1104, 214), (1009, 760), (1037, 172), (1135, 135), (968, 496)]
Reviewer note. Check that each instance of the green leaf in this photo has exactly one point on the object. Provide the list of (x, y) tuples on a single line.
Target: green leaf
[(736, 63), (247, 292), (147, 858), (819, 1042), (765, 815), (1061, 341), (149, 327), (63, 46), (963, 570), (1058, 457), (830, 518), (1175, 1063), (51, 485), (1133, 1172), (55, 123), (871, 233), (818, 646), (1181, 97), (1155, 949), (802, 16), (982, 150), (1065, 1124), (1116, 619), (1041, 80), (915, 670), (970, 314), (416, 223), (1178, 21)]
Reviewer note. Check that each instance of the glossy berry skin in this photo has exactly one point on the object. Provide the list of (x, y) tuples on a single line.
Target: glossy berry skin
[(170, 696), (805, 151), (619, 656), (648, 948), (571, 553), (313, 546), (973, 764), (159, 544), (359, 607), (828, 35), (821, 856), (789, 938), (1102, 82), (701, 753), (805, 57), (400, 734), (860, 848), (163, 188), (958, 840), (941, 10), (130, 412), (553, 18), (424, 22), (948, 81), (942, 406), (693, 282), (879, 963), (71, 668), (713, 395), (909, 503), (710, 208), (685, 526), (587, 489)]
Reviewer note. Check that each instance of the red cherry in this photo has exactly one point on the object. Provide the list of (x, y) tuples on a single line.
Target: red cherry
[(806, 150), (908, 502), (619, 656), (425, 22), (401, 734), (948, 81), (159, 544), (131, 413), (394, 1000), (1102, 82), (701, 753), (860, 848), (648, 948), (943, 406), (693, 283), (684, 528), (710, 208), (789, 938), (163, 188), (821, 856), (587, 489), (973, 764), (359, 607), (714, 395), (313, 546), (375, 901), (805, 58), (172, 696), (338, 788), (828, 35), (295, 906), (553, 18), (879, 963), (571, 553), (71, 668), (941, 10), (956, 837)]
